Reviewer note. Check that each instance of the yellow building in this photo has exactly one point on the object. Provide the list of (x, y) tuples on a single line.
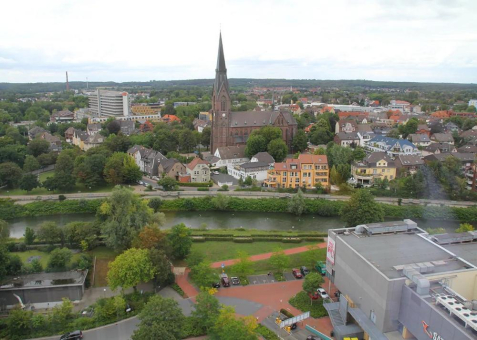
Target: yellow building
[(145, 109), (306, 171), (376, 165)]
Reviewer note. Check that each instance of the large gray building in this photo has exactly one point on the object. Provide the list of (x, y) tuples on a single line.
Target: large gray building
[(396, 282), (103, 103)]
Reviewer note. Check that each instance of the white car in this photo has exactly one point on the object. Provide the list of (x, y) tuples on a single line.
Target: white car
[(322, 293)]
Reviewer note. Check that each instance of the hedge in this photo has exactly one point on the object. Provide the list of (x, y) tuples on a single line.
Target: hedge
[(195, 184), (202, 189), (266, 333)]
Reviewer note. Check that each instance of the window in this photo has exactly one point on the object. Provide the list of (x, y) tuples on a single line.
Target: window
[(383, 170), (375, 171), (223, 104)]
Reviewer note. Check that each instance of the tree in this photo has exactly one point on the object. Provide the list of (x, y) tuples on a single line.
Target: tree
[(18, 323), (435, 231), (361, 209), (29, 236), (63, 178), (89, 170), (181, 240), (320, 136), (358, 154), (248, 180), (114, 167), (50, 233), (162, 267), (37, 147), (131, 171), (113, 127), (10, 174), (221, 201), (205, 137), (312, 282), (312, 255), (14, 265), (30, 164), (4, 258), (296, 205), (81, 233), (207, 309), (277, 149), (244, 266), (187, 140), (150, 237), (279, 261), (59, 258), (300, 141), (194, 258), (255, 144), (160, 319), (29, 182), (168, 183), (117, 143), (4, 231), (130, 268), (124, 214), (269, 133), (464, 227), (228, 327), (203, 275), (62, 314)]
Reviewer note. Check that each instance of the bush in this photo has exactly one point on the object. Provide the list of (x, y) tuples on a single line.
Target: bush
[(286, 313), (301, 301), (291, 240), (266, 333), (155, 203), (179, 290), (196, 185), (202, 189), (243, 240), (192, 328), (59, 259), (61, 197)]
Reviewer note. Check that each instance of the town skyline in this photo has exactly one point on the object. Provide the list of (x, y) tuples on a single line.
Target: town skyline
[(380, 40)]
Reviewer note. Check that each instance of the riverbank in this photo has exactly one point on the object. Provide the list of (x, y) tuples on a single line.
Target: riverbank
[(319, 207)]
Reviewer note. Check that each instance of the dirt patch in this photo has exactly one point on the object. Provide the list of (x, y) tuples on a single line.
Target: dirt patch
[(101, 272)]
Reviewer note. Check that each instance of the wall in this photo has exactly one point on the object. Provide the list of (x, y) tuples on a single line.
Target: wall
[(464, 283), (415, 310), (41, 295)]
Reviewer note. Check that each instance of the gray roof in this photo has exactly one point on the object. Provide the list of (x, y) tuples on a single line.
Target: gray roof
[(443, 147), (252, 165), (375, 157), (468, 251), (423, 127), (443, 137), (410, 160), (419, 138), (94, 126), (347, 136), (222, 178), (258, 118), (43, 280), (468, 149), (264, 157), (167, 164), (364, 128), (232, 152), (386, 251)]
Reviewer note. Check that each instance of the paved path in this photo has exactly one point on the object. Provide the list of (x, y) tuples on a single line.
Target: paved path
[(265, 256)]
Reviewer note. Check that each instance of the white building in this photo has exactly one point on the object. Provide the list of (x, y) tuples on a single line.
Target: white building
[(256, 170), (109, 103), (473, 102), (230, 155)]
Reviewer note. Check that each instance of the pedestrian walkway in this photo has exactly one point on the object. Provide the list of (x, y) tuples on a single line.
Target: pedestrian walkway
[(265, 256)]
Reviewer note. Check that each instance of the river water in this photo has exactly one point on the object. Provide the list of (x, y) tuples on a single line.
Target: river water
[(222, 220)]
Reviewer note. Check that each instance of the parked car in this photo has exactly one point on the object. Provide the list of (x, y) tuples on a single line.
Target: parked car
[(216, 172), (293, 327), (296, 273), (75, 335), (224, 279), (216, 284), (311, 337), (323, 293), (304, 271), (235, 280)]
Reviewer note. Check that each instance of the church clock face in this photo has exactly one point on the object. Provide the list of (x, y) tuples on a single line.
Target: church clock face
[(223, 115)]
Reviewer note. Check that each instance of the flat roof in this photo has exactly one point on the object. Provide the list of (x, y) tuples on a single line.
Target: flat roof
[(467, 251), (384, 251), (43, 280)]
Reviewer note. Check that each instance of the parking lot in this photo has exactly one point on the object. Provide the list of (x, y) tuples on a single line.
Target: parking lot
[(300, 333), (265, 278)]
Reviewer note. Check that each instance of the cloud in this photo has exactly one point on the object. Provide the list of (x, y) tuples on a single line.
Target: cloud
[(413, 40)]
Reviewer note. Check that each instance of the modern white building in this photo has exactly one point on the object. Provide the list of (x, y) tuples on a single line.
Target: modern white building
[(256, 170), (109, 103), (473, 102)]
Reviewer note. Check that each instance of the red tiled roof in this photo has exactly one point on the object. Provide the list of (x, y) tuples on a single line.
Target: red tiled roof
[(196, 161)]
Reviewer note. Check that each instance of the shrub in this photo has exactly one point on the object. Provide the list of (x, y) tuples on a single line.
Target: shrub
[(202, 189), (286, 313), (36, 266), (266, 333), (61, 197), (301, 301), (243, 240), (179, 290), (59, 258)]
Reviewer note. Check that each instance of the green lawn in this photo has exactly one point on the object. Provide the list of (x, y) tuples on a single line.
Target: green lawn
[(103, 255), (217, 251), (24, 255), (263, 267), (44, 175)]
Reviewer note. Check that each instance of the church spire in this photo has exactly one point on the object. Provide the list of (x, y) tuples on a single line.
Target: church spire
[(221, 70)]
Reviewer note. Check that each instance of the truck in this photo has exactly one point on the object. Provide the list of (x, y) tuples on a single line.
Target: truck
[(320, 266)]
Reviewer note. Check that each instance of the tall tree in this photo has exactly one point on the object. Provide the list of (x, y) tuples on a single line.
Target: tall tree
[(296, 205), (161, 318), (300, 141), (130, 268), (89, 170), (187, 140), (205, 137), (131, 171), (38, 146), (244, 266), (30, 164), (181, 240), (255, 144), (50, 233), (207, 309), (277, 149), (312, 282), (114, 168), (361, 209), (29, 182), (10, 174), (279, 261)]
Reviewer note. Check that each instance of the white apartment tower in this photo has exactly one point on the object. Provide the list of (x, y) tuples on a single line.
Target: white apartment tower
[(109, 103)]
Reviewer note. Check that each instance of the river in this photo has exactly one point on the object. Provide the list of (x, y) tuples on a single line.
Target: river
[(222, 220)]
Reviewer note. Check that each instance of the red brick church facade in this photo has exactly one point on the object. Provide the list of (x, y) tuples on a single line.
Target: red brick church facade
[(233, 128)]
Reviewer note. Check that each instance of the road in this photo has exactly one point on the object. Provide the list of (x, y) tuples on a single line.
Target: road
[(192, 192)]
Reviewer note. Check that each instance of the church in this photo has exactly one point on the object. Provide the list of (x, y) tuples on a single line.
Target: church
[(233, 128)]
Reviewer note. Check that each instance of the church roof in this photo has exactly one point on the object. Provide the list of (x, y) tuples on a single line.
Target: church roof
[(258, 118)]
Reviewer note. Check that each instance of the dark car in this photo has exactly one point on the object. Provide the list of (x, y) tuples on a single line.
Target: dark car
[(75, 335), (293, 327), (296, 273), (311, 337), (235, 280), (304, 270), (216, 284), (225, 280)]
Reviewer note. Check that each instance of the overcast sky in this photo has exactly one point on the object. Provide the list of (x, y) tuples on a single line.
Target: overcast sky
[(396, 40)]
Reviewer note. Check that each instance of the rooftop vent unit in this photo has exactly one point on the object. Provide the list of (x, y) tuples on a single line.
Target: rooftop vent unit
[(386, 227), (422, 284), (450, 238), (459, 309)]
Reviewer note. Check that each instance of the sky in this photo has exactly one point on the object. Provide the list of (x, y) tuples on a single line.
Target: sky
[(103, 40)]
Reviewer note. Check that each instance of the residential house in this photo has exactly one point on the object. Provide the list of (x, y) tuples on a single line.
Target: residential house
[(375, 165), (64, 116), (256, 170), (451, 127), (93, 128), (55, 142), (264, 157), (171, 168), (380, 129), (84, 141), (305, 171), (200, 125), (365, 134), (468, 149), (35, 131), (198, 170), (437, 148), (347, 139), (392, 146), (230, 155), (308, 128), (69, 134), (354, 114), (146, 159), (348, 126), (423, 129), (127, 127), (419, 139), (408, 164), (469, 136), (146, 127), (442, 138), (441, 114), (170, 119)]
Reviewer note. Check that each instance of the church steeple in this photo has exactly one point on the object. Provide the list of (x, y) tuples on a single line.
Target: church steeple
[(221, 71)]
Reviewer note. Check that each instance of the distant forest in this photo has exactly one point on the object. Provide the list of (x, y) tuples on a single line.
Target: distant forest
[(27, 88)]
